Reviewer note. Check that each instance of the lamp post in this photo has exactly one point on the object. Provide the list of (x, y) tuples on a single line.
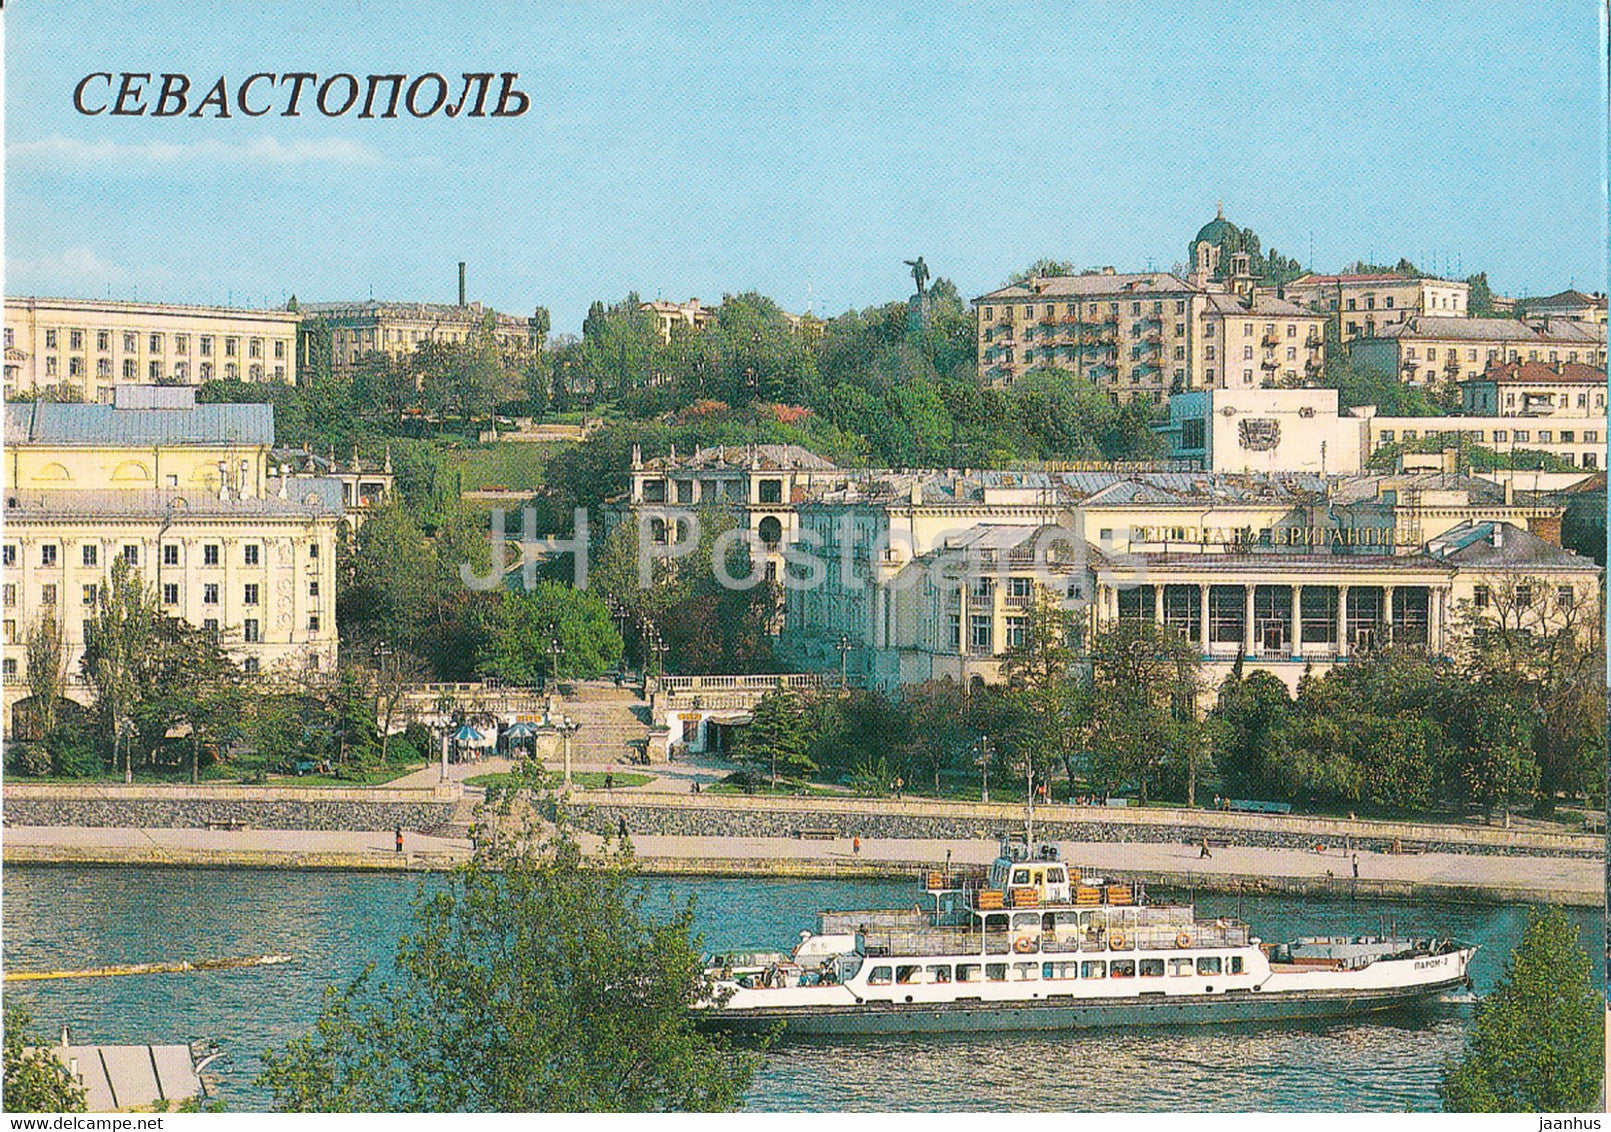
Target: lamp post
[(555, 650), (844, 651), (567, 727), (983, 748)]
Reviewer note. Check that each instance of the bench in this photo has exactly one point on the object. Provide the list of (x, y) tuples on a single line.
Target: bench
[(817, 834), (230, 824)]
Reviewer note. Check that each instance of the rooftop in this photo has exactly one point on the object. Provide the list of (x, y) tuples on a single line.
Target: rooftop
[(305, 499), (1504, 546), (131, 307), (1440, 328), (1543, 373), (439, 312), (768, 457), (1090, 284), (54, 423)]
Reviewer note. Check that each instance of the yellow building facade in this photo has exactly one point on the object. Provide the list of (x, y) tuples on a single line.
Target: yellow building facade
[(398, 329), (94, 345), (187, 496)]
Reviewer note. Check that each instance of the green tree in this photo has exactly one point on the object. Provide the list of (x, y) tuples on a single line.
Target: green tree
[(534, 981), (123, 640), (1144, 682), (777, 737), (47, 672), (36, 1080), (516, 633), (1538, 1042)]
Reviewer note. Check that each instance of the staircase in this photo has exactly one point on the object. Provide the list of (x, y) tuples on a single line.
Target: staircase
[(614, 722)]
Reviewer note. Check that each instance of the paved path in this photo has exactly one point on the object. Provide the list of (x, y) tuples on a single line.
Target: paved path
[(1578, 881)]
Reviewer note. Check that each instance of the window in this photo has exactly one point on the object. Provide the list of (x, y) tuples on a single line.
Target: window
[(170, 555), (1015, 631), (250, 665), (181, 343), (250, 631), (881, 977), (1545, 436), (131, 342), (11, 635), (1565, 597), (170, 593), (156, 343), (210, 625), (1521, 436), (1500, 435), (979, 633), (232, 347), (771, 491), (1351, 306), (209, 554), (1591, 436), (1151, 968), (206, 345), (1247, 353), (313, 623), (249, 596), (10, 594), (75, 339), (254, 348), (8, 556), (154, 371), (90, 554), (996, 972), (50, 366), (1431, 353), (1388, 302), (970, 973), (313, 589), (209, 593), (313, 550), (1209, 965), (251, 554), (1122, 969), (103, 340), (103, 367), (10, 661), (131, 554), (50, 339), (47, 594), (1524, 597), (92, 593), (1387, 436), (232, 372), (1567, 436), (47, 554)]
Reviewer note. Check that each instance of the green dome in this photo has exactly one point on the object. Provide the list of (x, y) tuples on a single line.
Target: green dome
[(1214, 231)]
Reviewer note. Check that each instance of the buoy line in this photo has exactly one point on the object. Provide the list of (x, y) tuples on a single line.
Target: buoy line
[(150, 968)]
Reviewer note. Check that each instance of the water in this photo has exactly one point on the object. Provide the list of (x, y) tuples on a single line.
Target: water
[(335, 923)]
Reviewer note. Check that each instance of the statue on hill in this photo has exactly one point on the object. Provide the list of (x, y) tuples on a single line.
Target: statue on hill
[(920, 273)]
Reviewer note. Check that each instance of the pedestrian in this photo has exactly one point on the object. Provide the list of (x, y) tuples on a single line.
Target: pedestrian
[(622, 829), (1216, 801), (399, 839), (855, 845), (609, 781), (1205, 852), (1356, 866)]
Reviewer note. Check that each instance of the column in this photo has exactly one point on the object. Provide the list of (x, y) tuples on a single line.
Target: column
[(1387, 616), (1297, 620), (1202, 625), (1157, 604), (1247, 619), (1342, 622)]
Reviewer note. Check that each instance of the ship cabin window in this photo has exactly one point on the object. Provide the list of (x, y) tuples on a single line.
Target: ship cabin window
[(997, 922), (996, 972), (1152, 968), (1122, 969), (910, 974), (1020, 877), (1093, 969), (1024, 972), (939, 973), (1026, 921), (1208, 965), (1068, 970), (1235, 966), (879, 978), (1180, 967), (969, 973)]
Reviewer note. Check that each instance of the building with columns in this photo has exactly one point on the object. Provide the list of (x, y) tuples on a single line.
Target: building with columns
[(187, 495)]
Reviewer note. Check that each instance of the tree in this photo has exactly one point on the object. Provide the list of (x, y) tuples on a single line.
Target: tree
[(47, 672), (36, 1080), (535, 981), (1144, 681), (1538, 1042), (121, 641), (518, 630), (777, 737)]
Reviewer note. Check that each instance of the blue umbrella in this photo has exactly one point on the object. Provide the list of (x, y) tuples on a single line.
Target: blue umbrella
[(468, 734), (520, 730)]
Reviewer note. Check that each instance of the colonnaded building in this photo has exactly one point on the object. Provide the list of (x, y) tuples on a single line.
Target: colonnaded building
[(90, 346), (932, 575), (189, 496)]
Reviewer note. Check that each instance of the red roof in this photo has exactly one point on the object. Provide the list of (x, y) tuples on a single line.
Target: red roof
[(1544, 373)]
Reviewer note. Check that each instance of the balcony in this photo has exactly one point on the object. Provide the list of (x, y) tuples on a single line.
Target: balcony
[(1270, 340), (1314, 341), (1270, 364)]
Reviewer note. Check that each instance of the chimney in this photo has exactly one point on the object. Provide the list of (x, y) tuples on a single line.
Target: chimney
[(461, 283), (1496, 536), (1510, 489)]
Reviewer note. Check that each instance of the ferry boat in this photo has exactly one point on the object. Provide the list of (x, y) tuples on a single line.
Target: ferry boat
[(1031, 945)]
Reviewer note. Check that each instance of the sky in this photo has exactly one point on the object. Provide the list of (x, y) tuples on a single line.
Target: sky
[(803, 150)]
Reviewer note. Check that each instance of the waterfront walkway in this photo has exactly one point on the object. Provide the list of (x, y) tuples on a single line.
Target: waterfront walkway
[(1432, 876)]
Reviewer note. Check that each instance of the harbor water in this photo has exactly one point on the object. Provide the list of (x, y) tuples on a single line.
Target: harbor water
[(336, 923)]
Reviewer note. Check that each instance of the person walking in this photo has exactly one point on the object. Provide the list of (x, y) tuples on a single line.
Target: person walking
[(1205, 853), (1356, 866), (855, 845), (399, 839)]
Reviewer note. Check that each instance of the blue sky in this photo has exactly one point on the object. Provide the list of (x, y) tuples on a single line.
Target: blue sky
[(804, 150)]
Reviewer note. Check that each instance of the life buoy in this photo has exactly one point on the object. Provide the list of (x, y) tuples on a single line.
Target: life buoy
[(1116, 941), (1183, 939), (1023, 945)]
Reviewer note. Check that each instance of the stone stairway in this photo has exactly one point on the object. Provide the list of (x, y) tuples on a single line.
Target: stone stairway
[(614, 723)]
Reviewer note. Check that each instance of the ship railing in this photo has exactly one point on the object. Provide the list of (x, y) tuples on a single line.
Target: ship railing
[(939, 942)]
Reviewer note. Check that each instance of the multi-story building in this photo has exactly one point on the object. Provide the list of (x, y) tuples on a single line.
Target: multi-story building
[(365, 485), (398, 329), (668, 316), (1130, 334), (1363, 304), (1527, 406), (93, 345), (1152, 334), (188, 496), (1436, 350), (1570, 304), (931, 575)]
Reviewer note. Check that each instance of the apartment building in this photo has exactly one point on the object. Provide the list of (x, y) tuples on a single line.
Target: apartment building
[(1364, 304), (186, 494), (1438, 350), (668, 316), (94, 345), (398, 329)]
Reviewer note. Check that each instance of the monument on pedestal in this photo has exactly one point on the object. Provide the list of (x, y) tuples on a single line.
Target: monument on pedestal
[(917, 305)]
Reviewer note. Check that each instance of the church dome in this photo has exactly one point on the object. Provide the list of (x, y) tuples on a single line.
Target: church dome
[(1214, 231)]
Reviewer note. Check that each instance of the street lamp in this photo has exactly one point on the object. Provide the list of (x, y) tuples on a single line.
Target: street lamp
[(983, 749), (844, 651), (567, 727), (555, 650)]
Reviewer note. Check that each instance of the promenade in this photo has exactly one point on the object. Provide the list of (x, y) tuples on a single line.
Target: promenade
[(1574, 882)]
